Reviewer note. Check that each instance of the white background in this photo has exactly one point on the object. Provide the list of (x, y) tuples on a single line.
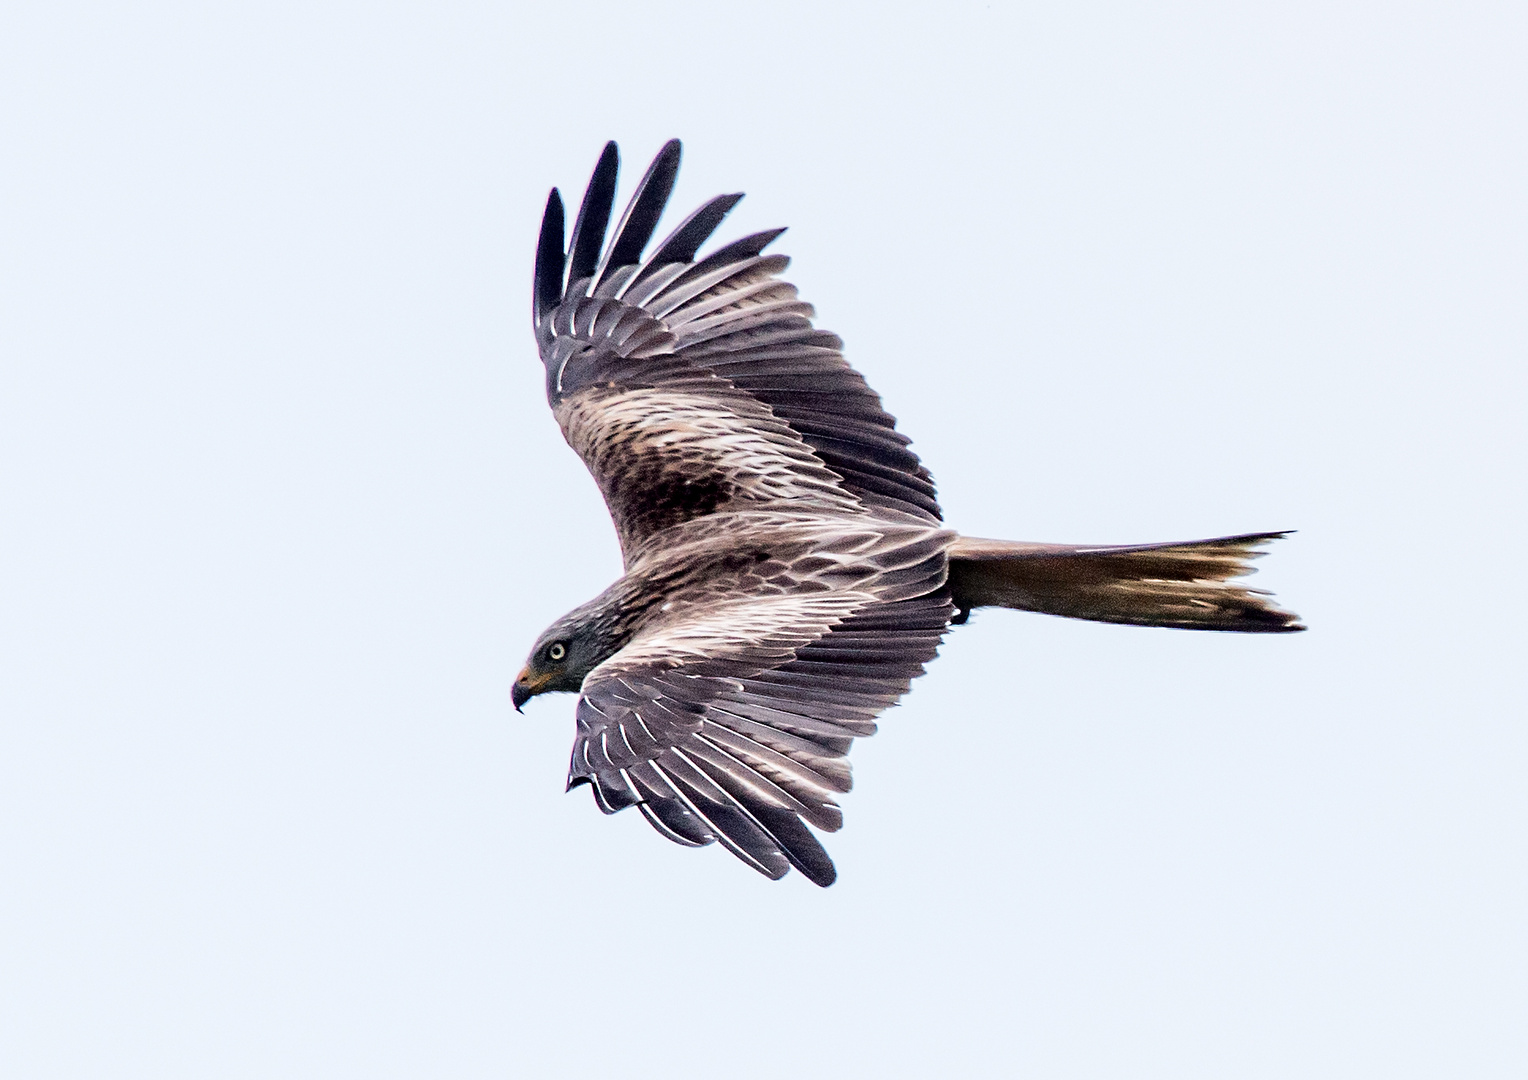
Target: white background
[(282, 509)]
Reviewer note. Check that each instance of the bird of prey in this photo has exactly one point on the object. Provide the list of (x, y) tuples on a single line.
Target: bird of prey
[(787, 569)]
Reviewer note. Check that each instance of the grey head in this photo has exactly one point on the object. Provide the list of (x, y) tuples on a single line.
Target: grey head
[(569, 649)]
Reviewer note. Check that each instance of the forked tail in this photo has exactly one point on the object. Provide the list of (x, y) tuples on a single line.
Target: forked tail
[(1190, 585)]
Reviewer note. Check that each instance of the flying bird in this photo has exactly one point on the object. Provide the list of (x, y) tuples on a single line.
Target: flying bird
[(787, 569)]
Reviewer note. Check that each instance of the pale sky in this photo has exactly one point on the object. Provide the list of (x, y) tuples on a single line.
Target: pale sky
[(282, 509)]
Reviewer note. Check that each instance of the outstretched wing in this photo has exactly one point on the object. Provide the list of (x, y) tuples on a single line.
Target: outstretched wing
[(731, 723), (691, 388)]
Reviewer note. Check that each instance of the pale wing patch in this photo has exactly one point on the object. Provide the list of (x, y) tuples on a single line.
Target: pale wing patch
[(767, 466), (762, 629), (663, 457)]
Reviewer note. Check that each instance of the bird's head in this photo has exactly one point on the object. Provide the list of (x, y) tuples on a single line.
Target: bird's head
[(562, 656)]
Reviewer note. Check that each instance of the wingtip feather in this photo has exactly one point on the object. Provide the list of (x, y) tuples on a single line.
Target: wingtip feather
[(547, 288), (593, 216), (640, 218), (681, 245)]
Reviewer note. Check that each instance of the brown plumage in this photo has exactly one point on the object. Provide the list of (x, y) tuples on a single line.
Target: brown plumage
[(787, 571)]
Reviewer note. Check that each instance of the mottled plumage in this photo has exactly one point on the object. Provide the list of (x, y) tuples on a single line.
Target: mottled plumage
[(787, 572)]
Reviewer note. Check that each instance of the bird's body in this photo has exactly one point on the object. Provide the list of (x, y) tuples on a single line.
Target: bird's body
[(787, 569)]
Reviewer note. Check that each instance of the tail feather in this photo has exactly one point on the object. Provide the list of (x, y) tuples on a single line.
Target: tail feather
[(1188, 585)]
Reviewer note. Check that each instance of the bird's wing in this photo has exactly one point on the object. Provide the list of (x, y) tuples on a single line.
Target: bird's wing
[(691, 387), (731, 722)]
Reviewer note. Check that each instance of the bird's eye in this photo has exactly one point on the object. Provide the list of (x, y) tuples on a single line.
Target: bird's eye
[(557, 650)]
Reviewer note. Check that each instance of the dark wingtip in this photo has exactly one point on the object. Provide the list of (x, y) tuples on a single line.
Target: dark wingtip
[(594, 215), (798, 845), (685, 241), (822, 878), (681, 245), (547, 290), (646, 207), (737, 251)]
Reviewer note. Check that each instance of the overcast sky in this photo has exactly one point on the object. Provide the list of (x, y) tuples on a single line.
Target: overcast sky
[(282, 509)]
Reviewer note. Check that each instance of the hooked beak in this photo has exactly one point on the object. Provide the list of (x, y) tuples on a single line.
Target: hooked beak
[(526, 687)]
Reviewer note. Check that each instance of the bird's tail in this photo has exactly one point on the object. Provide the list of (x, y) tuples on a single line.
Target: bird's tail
[(1189, 585)]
